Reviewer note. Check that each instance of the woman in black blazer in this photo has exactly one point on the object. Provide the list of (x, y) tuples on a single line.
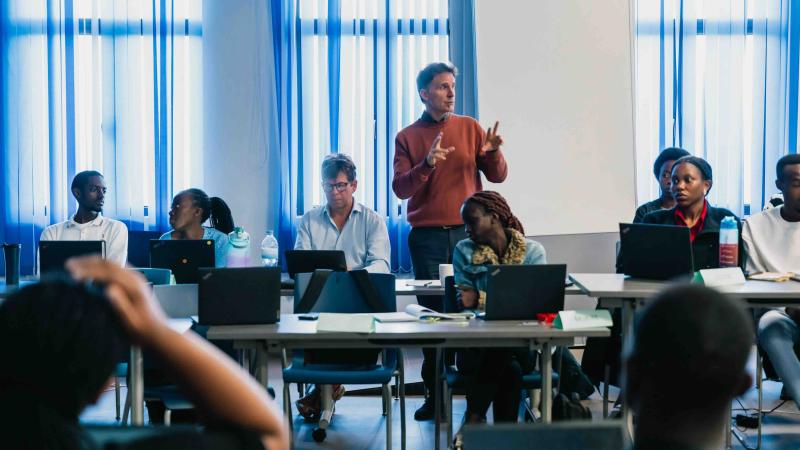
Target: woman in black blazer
[(691, 181)]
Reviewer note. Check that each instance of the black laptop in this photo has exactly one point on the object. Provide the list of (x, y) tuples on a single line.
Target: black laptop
[(656, 252), (306, 261), (239, 296), (521, 291), (53, 254), (182, 257)]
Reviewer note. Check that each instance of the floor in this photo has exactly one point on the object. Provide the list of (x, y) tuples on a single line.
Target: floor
[(358, 423)]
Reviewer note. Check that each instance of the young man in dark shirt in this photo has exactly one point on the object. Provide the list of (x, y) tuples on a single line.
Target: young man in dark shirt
[(662, 169)]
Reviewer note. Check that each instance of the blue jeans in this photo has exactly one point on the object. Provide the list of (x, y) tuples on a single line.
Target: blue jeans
[(778, 334)]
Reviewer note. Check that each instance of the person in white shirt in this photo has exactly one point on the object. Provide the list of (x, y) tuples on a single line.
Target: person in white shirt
[(88, 224), (772, 241)]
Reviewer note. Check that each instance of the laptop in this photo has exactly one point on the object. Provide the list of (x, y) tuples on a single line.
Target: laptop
[(182, 257), (306, 261), (521, 291), (53, 254), (239, 296), (656, 252)]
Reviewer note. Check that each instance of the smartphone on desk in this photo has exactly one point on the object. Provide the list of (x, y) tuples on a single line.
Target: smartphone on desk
[(309, 316)]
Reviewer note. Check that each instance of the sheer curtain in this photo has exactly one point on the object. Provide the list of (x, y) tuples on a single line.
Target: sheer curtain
[(345, 74), (716, 78), (107, 85)]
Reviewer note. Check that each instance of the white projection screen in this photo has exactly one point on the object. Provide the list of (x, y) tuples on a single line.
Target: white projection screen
[(558, 76)]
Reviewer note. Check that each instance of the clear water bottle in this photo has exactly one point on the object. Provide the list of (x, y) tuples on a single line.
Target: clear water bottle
[(239, 248), (728, 243), (269, 250)]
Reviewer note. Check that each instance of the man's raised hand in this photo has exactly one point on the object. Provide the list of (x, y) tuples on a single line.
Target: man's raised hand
[(492, 141), (437, 153)]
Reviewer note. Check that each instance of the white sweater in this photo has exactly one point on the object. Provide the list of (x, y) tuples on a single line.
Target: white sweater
[(772, 243)]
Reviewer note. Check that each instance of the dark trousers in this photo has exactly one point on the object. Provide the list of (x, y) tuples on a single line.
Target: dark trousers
[(495, 378), (429, 247)]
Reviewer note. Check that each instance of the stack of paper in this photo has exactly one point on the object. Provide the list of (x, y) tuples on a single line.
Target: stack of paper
[(772, 276), (583, 319), (416, 312)]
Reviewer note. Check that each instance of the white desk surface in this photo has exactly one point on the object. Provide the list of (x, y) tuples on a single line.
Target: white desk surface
[(600, 285), (291, 328)]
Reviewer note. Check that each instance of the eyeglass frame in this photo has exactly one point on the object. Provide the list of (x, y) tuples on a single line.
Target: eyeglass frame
[(337, 187)]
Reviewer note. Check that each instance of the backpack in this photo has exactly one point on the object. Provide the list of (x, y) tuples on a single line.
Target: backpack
[(569, 408)]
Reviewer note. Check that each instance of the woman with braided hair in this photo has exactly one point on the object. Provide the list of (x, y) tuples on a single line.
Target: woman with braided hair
[(496, 236)]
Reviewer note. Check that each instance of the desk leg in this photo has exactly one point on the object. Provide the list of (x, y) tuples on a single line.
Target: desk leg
[(262, 374), (627, 343), (136, 387), (547, 382), (437, 394)]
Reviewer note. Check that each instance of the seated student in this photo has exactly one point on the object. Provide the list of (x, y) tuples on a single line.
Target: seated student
[(662, 169), (342, 224), (190, 209), (64, 339), (772, 240), (89, 189), (691, 181), (687, 363), (496, 236)]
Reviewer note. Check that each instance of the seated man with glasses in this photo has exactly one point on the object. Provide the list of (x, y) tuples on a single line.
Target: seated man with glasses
[(342, 224)]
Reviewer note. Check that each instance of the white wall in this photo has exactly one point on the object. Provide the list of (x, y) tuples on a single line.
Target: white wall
[(236, 109), (557, 74)]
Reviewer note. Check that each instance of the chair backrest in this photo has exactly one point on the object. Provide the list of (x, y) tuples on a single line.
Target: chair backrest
[(562, 435), (178, 301), (155, 276), (139, 247), (450, 300), (341, 294)]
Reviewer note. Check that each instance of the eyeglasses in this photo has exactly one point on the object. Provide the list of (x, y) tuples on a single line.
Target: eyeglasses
[(338, 187)]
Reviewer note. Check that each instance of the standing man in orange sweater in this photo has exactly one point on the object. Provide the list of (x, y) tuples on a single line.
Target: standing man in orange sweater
[(437, 165)]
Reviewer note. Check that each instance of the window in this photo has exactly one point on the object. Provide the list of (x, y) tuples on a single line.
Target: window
[(712, 77), (107, 85), (358, 62)]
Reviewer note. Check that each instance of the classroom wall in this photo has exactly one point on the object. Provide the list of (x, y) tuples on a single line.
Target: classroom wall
[(558, 77), (236, 100)]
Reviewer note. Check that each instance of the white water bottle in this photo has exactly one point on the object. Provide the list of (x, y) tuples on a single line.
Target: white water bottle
[(269, 250), (728, 243), (239, 248)]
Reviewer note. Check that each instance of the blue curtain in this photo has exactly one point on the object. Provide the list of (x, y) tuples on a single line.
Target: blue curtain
[(344, 78), (721, 80), (91, 84), (464, 54)]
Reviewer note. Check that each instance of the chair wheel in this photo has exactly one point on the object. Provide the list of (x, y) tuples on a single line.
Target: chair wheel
[(319, 435)]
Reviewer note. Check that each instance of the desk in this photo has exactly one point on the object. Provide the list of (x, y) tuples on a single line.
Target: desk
[(616, 290), (293, 333)]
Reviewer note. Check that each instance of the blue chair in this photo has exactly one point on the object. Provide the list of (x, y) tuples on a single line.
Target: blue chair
[(155, 276), (452, 379), (340, 294), (139, 247)]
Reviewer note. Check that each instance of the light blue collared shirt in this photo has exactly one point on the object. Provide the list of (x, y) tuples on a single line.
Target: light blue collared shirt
[(364, 237), (220, 244)]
